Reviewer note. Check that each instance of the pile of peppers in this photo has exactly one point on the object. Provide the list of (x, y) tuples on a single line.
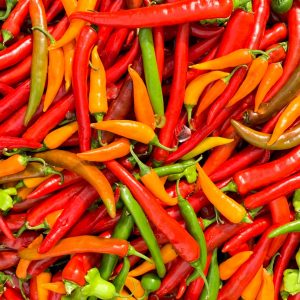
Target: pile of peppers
[(150, 149)]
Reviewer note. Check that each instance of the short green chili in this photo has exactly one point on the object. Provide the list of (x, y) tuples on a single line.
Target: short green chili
[(120, 279), (281, 6), (121, 231), (39, 58), (152, 75), (143, 225), (293, 226)]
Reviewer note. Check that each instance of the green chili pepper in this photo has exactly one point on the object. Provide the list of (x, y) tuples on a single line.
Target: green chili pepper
[(213, 279), (281, 6), (175, 168), (288, 140), (291, 284), (9, 6), (293, 226), (286, 94), (190, 173), (152, 75), (296, 203), (146, 232), (121, 231), (6, 201), (150, 283), (120, 279), (39, 58), (195, 230)]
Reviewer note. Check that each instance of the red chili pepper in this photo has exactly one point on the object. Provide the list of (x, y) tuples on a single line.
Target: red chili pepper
[(234, 287), (15, 221), (159, 44), (277, 54), (56, 202), (5, 229), (11, 294), (261, 9), (33, 289), (275, 34), (54, 10), (39, 266), (177, 91), (205, 32), (85, 42), (160, 15), (286, 253), (21, 242), (5, 89), (236, 32), (49, 120), (54, 184), (69, 217), (252, 230), (8, 259), (293, 56), (184, 244), (280, 188), (10, 142)]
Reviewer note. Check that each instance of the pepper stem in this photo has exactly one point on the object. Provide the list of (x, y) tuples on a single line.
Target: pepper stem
[(99, 118), (189, 110), (258, 52), (160, 121), (46, 33), (144, 169), (230, 187), (132, 251), (156, 143), (208, 222), (50, 171), (37, 159), (228, 77), (271, 265), (179, 196), (197, 272), (7, 35)]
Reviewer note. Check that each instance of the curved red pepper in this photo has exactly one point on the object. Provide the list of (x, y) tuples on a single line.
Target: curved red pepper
[(275, 34)]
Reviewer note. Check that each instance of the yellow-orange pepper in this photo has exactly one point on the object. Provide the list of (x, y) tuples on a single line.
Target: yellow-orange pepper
[(57, 287), (42, 278), (135, 287), (51, 218), (252, 289), (69, 6), (267, 290), (69, 50)]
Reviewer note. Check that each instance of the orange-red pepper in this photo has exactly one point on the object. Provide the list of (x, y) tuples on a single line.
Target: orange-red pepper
[(69, 50), (267, 290)]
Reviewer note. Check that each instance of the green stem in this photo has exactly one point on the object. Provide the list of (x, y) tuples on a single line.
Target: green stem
[(144, 169), (156, 143), (46, 33)]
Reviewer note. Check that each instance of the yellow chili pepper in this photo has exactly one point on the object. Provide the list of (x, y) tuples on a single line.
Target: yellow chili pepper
[(69, 6), (55, 75), (42, 278), (125, 295), (168, 254), (57, 287), (97, 96), (286, 119), (135, 287), (229, 266), (197, 86), (228, 207), (34, 182), (23, 264), (114, 150), (69, 50), (132, 130), (75, 25), (142, 105), (267, 290), (58, 136), (205, 145), (252, 289)]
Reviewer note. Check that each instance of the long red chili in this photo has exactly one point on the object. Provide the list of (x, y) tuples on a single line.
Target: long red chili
[(10, 142), (85, 42), (275, 34)]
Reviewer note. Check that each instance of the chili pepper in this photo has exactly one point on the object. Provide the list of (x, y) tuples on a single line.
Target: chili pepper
[(8, 259), (44, 277), (267, 286), (97, 93), (57, 287), (233, 59), (146, 231), (15, 221), (72, 141), (252, 289), (82, 244), (69, 6), (9, 6), (258, 226), (275, 34), (254, 76), (271, 76), (68, 51), (242, 277), (184, 244), (9, 142), (75, 26), (296, 203), (49, 120), (11, 293), (142, 106), (54, 10), (132, 130), (293, 226), (91, 174), (121, 231), (38, 266), (39, 58), (281, 7), (152, 16), (106, 223), (151, 283), (119, 280), (159, 43), (3, 225), (86, 41), (5, 89), (33, 289), (278, 53), (235, 214)]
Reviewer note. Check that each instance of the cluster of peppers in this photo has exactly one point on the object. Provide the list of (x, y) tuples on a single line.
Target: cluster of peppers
[(108, 109)]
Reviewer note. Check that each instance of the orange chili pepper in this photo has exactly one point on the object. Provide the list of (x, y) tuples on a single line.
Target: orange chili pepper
[(135, 287), (124, 294), (23, 192), (34, 182), (254, 76), (90, 173), (23, 264), (142, 105), (233, 59), (75, 25), (196, 87), (69, 50), (228, 207), (116, 149), (267, 290), (58, 136), (152, 181), (55, 75), (272, 75), (286, 119), (252, 289), (69, 6), (51, 218), (229, 266), (168, 254), (15, 164), (132, 130), (97, 96), (57, 287), (42, 278)]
